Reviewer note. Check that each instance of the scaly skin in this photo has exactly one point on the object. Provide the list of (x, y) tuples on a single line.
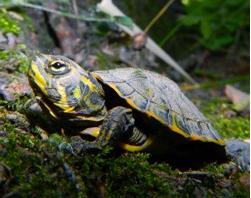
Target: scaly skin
[(73, 97)]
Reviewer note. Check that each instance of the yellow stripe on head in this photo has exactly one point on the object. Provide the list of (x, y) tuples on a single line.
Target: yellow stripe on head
[(48, 108), (63, 102), (77, 93), (38, 78), (87, 81)]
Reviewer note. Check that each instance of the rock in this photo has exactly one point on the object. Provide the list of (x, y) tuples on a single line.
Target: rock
[(12, 87), (5, 175), (3, 133), (245, 181), (240, 99), (239, 151)]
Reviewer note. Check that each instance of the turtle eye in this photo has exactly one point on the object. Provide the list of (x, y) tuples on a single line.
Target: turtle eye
[(58, 67)]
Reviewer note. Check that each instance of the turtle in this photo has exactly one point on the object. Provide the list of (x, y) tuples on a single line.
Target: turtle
[(132, 109)]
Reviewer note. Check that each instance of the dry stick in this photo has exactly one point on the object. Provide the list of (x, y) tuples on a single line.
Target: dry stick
[(69, 15), (108, 7), (152, 22), (160, 13), (75, 10), (75, 7)]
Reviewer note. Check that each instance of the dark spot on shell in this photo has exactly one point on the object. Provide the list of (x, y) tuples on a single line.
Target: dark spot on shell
[(181, 122), (164, 115)]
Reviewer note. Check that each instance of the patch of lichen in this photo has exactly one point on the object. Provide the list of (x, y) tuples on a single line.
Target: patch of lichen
[(219, 111)]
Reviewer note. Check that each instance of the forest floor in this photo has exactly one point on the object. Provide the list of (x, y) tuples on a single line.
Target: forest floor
[(32, 164)]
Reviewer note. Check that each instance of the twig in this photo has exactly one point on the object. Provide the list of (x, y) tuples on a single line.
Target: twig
[(75, 9), (76, 12), (170, 34), (213, 84), (160, 13), (108, 7), (69, 15)]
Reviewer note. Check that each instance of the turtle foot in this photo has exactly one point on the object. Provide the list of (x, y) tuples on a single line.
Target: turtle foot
[(81, 146), (239, 151)]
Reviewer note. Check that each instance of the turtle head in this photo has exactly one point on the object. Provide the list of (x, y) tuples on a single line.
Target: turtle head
[(64, 88)]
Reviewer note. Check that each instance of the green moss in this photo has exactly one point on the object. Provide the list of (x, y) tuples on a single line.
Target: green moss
[(136, 170), (16, 105), (236, 126), (4, 55), (7, 24), (215, 168), (40, 169), (45, 168), (17, 58), (37, 169)]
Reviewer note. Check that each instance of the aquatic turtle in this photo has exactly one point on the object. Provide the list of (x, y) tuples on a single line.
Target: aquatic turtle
[(130, 108)]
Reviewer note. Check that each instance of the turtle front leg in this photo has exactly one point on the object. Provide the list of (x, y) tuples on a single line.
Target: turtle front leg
[(117, 126)]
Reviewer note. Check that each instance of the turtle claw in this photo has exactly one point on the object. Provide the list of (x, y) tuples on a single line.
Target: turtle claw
[(66, 147), (81, 146)]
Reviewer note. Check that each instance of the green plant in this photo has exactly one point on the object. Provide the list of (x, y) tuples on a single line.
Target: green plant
[(220, 22)]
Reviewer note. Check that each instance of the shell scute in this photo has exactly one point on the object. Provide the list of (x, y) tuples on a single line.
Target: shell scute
[(160, 98)]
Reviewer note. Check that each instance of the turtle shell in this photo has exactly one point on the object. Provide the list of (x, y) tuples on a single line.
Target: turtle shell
[(160, 98)]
